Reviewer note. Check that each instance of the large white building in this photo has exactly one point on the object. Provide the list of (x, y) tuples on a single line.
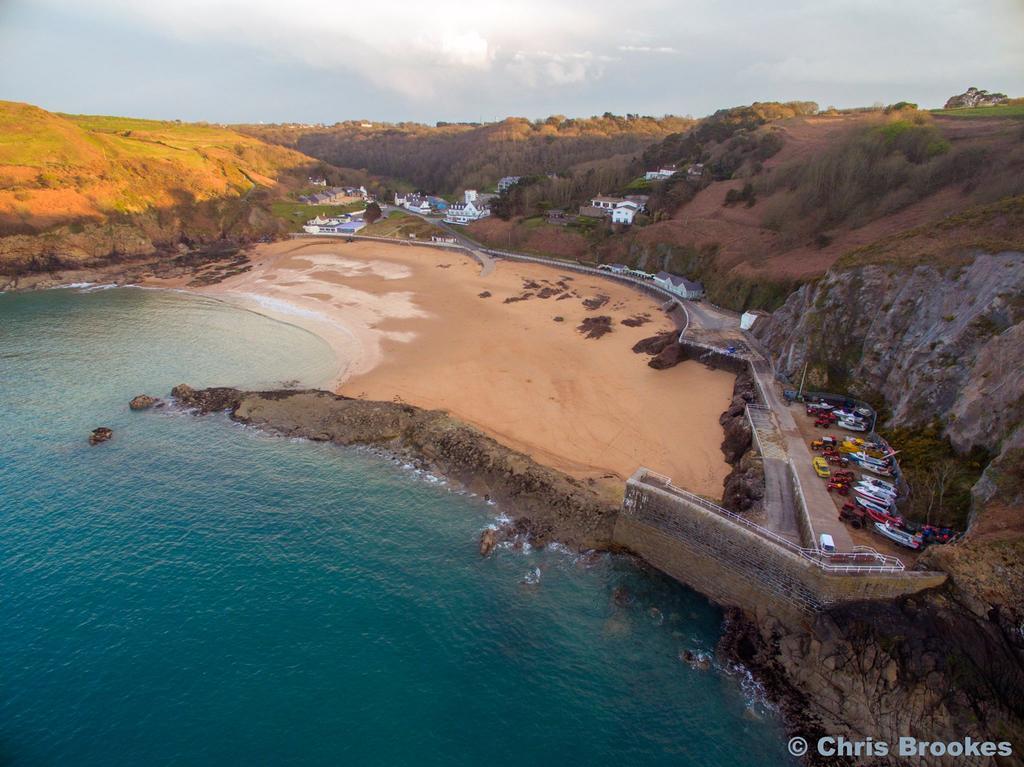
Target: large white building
[(469, 210), (415, 203)]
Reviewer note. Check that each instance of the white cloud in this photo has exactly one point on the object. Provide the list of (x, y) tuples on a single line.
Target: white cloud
[(456, 58), (535, 68), (647, 49)]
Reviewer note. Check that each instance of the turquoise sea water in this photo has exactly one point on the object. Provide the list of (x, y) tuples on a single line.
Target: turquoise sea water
[(194, 592)]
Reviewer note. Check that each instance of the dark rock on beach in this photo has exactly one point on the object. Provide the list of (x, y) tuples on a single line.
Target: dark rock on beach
[(100, 434), (655, 344), (595, 327)]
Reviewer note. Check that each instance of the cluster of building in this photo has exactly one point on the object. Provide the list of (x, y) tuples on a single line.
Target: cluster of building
[(336, 195), (473, 206), (344, 223), (674, 283), (621, 210)]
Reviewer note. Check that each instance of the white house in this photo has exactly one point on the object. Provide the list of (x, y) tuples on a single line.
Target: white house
[(660, 174), (416, 203), (618, 209), (681, 286), (507, 181), (468, 211), (624, 212)]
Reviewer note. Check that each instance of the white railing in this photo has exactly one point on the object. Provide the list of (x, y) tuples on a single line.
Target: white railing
[(828, 562)]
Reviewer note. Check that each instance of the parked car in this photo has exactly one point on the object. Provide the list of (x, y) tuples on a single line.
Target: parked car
[(821, 467), (826, 544)]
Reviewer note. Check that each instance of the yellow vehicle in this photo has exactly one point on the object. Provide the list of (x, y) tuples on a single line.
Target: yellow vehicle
[(821, 467)]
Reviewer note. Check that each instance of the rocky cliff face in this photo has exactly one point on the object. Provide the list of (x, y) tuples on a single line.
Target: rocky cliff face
[(938, 341), (925, 667), (933, 341), (549, 505)]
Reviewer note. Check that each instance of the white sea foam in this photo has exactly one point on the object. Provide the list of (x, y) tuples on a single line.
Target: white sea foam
[(532, 577), (283, 307), (753, 691)]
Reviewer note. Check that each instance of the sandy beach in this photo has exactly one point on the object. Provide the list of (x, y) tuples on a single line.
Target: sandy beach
[(416, 324)]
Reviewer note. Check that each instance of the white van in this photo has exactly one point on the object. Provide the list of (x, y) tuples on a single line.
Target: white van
[(826, 544)]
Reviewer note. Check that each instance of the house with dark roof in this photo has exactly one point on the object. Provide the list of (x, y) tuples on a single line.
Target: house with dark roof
[(681, 286)]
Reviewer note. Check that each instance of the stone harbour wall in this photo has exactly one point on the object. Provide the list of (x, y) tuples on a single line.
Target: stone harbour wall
[(737, 566)]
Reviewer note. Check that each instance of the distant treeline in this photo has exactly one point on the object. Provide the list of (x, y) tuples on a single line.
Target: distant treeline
[(446, 158)]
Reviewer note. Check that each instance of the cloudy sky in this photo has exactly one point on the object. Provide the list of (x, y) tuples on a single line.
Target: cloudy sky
[(325, 60)]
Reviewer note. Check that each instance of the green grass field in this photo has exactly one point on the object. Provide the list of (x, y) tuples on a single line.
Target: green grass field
[(1011, 110), (400, 225), (297, 213)]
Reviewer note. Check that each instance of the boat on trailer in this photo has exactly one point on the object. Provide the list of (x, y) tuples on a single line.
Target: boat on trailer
[(896, 535)]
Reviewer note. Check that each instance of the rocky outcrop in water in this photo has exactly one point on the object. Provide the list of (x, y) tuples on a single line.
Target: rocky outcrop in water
[(548, 504), (100, 434), (142, 402)]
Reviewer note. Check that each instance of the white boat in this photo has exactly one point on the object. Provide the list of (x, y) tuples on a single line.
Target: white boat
[(879, 483), (901, 537), (852, 425), (867, 503), (881, 471), (866, 460), (874, 492)]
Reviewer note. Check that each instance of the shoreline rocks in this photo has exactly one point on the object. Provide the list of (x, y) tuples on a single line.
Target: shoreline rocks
[(550, 506)]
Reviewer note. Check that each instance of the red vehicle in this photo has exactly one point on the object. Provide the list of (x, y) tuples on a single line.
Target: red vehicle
[(823, 422), (840, 487), (843, 475), (854, 515), (838, 460)]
